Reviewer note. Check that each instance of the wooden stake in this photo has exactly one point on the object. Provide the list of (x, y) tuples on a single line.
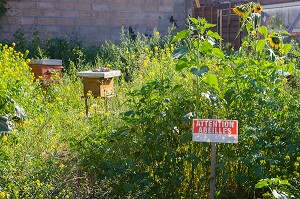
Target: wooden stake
[(197, 3), (213, 168)]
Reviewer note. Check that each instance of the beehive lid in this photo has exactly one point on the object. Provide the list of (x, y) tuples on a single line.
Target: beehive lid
[(91, 74), (54, 62)]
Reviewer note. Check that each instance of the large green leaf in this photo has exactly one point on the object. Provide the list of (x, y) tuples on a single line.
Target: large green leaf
[(128, 187), (260, 45), (202, 71), (4, 124), (180, 52), (295, 52), (180, 35), (212, 81), (229, 96), (209, 25), (287, 48), (263, 30), (261, 184), (182, 63), (218, 52), (214, 35), (194, 20), (206, 47)]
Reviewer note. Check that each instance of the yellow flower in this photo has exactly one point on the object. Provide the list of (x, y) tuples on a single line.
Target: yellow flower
[(287, 158), (4, 138), (157, 33), (62, 166), (156, 48), (132, 56), (253, 32), (294, 60), (262, 162), (2, 194), (240, 10), (258, 8), (216, 67), (274, 40), (38, 183), (13, 44)]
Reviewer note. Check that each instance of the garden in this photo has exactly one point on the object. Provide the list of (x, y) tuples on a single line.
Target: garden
[(138, 144)]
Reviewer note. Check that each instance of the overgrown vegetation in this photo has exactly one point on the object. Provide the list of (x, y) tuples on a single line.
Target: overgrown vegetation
[(138, 144)]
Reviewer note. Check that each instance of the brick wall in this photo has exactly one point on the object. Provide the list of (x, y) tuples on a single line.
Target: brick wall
[(94, 20)]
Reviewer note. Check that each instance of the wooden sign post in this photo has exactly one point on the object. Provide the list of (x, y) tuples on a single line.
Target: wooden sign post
[(214, 130)]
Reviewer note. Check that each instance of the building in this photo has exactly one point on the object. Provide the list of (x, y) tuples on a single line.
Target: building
[(94, 20), (99, 20)]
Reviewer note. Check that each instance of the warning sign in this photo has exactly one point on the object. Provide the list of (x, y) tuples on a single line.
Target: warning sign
[(213, 130)]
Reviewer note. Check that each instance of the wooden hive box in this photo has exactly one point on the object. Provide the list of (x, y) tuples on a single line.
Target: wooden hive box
[(98, 84), (46, 69)]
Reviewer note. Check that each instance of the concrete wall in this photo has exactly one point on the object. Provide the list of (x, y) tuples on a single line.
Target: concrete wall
[(94, 20)]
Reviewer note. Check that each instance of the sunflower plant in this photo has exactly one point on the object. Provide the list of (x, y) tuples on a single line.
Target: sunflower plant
[(260, 42), (249, 15)]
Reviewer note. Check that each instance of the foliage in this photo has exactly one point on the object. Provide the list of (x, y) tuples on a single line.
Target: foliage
[(138, 144), (274, 185)]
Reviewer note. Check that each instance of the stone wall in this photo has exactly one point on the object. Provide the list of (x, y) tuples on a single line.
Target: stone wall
[(94, 20)]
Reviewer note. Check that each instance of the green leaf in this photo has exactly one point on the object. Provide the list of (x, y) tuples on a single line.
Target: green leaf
[(130, 113), (229, 96), (287, 48), (296, 53), (261, 184), (212, 81), (180, 35), (181, 64), (186, 138), (260, 45), (194, 20), (258, 170), (284, 182), (128, 187), (250, 113), (263, 30), (203, 70), (218, 52), (285, 33), (209, 25), (205, 47), (180, 52), (214, 35), (5, 124)]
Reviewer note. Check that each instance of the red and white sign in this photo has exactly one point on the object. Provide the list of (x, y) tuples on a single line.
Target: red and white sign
[(213, 130)]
